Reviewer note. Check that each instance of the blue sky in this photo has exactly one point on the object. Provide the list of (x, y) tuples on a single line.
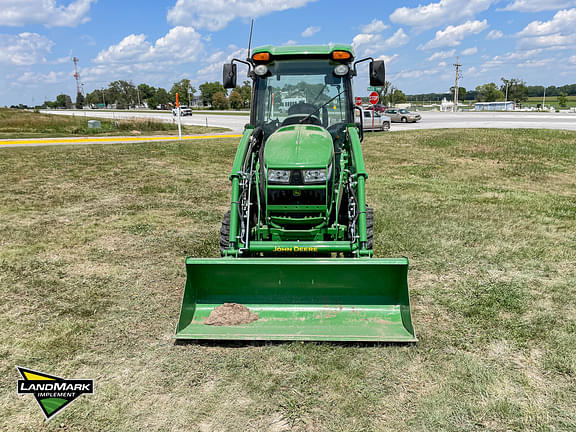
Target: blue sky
[(160, 42)]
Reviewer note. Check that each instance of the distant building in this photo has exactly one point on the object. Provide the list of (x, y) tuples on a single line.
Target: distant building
[(495, 106)]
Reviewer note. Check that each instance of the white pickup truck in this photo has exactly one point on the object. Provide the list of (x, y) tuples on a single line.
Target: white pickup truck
[(381, 122), (184, 111)]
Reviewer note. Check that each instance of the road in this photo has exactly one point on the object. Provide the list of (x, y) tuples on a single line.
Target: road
[(501, 120), (430, 119), (234, 122)]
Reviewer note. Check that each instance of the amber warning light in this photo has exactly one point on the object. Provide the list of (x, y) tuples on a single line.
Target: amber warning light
[(341, 55), (263, 56)]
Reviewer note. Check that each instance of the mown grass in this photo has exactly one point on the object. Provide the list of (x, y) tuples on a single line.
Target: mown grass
[(27, 124), (92, 243)]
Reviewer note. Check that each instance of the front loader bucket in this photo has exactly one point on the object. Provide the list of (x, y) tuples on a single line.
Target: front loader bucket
[(316, 299)]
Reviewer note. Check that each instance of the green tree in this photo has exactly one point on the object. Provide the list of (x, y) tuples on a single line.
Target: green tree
[(246, 94), (397, 97), (235, 100), (79, 101), (517, 90), (209, 89), (219, 101), (61, 100), (385, 93), (489, 93), (146, 93), (122, 93), (461, 92), (562, 99), (183, 88)]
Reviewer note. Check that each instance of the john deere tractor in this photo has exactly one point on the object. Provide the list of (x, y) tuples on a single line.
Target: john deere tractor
[(297, 243)]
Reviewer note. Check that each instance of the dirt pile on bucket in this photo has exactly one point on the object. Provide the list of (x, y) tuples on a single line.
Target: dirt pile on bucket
[(230, 314)]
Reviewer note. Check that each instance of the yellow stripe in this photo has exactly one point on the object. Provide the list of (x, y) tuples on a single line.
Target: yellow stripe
[(119, 139)]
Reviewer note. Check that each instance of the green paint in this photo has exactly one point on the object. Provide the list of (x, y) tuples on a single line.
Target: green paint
[(299, 146), (333, 299), (304, 297), (303, 50)]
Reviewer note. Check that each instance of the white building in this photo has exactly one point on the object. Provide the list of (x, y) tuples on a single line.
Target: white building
[(495, 106)]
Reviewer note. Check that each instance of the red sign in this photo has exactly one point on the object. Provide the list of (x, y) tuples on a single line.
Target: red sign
[(373, 98), (358, 100)]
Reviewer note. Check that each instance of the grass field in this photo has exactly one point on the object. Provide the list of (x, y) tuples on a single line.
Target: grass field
[(92, 244), (28, 124)]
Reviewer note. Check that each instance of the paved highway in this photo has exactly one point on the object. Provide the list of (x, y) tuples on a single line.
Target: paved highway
[(233, 122), (430, 119)]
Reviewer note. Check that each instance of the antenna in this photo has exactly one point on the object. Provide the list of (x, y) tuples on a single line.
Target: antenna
[(250, 40), (79, 89)]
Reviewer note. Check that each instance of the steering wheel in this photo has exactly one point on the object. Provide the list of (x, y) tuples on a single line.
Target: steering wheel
[(302, 108), (297, 118)]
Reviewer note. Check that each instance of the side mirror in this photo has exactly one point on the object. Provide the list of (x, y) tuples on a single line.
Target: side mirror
[(377, 73), (229, 75)]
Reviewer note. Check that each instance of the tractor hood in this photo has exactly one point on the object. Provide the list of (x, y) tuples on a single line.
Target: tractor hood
[(299, 146)]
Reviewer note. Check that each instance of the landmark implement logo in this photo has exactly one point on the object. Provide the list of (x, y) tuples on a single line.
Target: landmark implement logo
[(51, 392)]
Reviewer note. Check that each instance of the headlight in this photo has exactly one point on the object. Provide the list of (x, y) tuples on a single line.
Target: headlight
[(261, 70), (278, 176), (341, 70), (315, 176)]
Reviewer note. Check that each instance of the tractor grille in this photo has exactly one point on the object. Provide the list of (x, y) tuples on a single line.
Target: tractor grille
[(290, 197)]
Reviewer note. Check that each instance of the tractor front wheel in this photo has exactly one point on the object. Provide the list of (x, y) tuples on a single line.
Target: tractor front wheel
[(370, 227), (225, 233)]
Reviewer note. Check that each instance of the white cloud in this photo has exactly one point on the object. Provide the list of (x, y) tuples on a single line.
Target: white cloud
[(559, 33), (538, 5), (453, 35), (290, 42), (511, 58), (437, 14), (494, 34), (375, 26), (213, 71), (179, 45), (310, 31), (34, 79), (375, 43), (470, 51), (47, 12), (536, 63), (555, 41), (388, 59), (442, 55), (24, 49), (572, 60), (563, 21), (214, 15)]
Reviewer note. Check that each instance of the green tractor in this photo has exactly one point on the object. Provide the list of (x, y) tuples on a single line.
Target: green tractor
[(297, 242)]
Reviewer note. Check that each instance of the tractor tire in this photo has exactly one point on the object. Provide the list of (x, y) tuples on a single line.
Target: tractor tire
[(404, 120), (370, 227), (225, 233)]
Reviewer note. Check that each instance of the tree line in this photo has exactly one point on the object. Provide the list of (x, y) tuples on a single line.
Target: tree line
[(125, 95), (512, 89)]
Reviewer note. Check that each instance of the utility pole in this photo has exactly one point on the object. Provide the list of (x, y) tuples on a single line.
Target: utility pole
[(456, 88), (544, 98)]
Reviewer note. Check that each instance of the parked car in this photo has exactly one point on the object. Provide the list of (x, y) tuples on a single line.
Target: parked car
[(403, 116), (380, 123), (378, 108), (184, 111)]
